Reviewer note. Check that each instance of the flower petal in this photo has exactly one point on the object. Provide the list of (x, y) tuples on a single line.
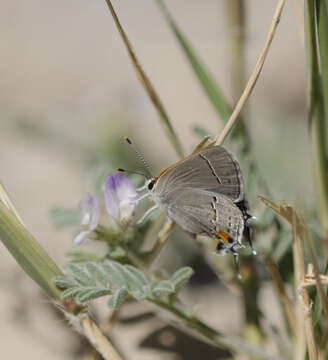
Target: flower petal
[(126, 210), (78, 240), (89, 212), (124, 189), (111, 199)]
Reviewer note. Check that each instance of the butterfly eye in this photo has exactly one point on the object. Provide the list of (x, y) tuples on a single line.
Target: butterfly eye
[(151, 185)]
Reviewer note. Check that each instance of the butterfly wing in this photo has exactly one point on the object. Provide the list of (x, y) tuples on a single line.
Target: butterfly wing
[(204, 212), (214, 169)]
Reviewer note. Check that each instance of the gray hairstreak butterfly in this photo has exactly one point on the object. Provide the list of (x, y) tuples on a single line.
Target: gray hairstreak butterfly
[(204, 194)]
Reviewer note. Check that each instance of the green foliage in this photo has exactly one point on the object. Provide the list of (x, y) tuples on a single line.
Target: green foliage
[(206, 80), (79, 256), (116, 300), (91, 280)]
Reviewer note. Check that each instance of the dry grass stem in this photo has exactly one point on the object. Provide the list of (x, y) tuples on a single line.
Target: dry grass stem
[(147, 84), (286, 301), (285, 210), (108, 325), (322, 295), (300, 341), (308, 282), (304, 302), (202, 144), (252, 80), (97, 338), (162, 237), (304, 319)]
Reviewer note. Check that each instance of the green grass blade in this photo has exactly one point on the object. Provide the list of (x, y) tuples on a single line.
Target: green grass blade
[(323, 52), (316, 111), (209, 86), (31, 257)]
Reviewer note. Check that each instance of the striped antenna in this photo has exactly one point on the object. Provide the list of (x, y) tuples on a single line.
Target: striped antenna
[(140, 157), (132, 172)]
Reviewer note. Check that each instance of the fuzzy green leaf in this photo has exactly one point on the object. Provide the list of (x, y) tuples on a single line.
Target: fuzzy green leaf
[(116, 300), (93, 293), (140, 277), (163, 287), (81, 275), (70, 293), (91, 280), (97, 272), (142, 293), (182, 275), (134, 279), (64, 282), (114, 273)]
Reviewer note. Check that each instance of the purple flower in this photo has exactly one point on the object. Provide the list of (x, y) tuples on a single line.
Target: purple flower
[(120, 197), (89, 215)]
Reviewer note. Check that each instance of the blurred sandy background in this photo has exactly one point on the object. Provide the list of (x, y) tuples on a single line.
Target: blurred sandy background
[(68, 89)]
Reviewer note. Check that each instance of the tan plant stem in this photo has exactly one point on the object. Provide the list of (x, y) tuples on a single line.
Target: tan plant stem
[(161, 239), (304, 306), (311, 281), (147, 84), (97, 338), (286, 301), (253, 78), (322, 295)]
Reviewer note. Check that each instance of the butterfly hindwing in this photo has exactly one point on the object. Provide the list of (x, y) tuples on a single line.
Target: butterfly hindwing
[(203, 212)]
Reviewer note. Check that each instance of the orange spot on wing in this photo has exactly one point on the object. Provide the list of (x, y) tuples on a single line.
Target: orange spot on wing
[(224, 236)]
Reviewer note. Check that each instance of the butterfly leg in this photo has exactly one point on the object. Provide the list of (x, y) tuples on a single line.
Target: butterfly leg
[(247, 234), (243, 206), (142, 188), (143, 197), (145, 215), (236, 261)]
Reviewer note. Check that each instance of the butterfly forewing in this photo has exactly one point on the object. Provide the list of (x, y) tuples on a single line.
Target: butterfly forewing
[(214, 169)]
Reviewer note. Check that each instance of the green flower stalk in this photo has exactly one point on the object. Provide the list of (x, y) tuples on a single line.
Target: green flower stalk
[(27, 251)]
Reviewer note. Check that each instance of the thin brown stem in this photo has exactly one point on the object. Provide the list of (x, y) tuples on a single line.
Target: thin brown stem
[(304, 303), (316, 271), (286, 301), (147, 84), (253, 78), (100, 342)]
